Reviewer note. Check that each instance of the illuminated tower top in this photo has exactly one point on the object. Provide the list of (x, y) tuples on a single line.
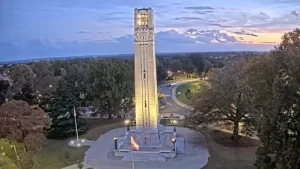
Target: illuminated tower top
[(143, 19)]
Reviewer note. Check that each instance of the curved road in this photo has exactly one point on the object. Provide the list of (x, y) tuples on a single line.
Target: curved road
[(171, 106)]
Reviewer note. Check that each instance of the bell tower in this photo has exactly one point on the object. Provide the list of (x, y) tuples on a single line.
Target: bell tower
[(146, 99)]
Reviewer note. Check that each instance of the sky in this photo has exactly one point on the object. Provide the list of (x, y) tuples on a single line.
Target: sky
[(57, 28)]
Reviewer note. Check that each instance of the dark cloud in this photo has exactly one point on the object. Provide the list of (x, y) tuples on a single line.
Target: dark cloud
[(203, 12), (219, 25), (188, 18), (176, 3), (84, 32), (286, 1), (199, 8), (243, 32), (88, 33), (295, 13)]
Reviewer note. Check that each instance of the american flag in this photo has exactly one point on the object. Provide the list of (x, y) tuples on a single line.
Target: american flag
[(134, 144)]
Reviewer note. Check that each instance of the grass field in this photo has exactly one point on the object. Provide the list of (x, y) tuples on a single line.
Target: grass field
[(181, 90), (53, 153)]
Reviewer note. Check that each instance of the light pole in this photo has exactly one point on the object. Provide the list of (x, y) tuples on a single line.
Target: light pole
[(174, 141), (16, 153), (116, 143), (127, 124), (174, 124), (75, 124)]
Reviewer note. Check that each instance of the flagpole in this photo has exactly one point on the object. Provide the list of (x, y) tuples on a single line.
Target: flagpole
[(132, 159), (131, 146), (75, 123)]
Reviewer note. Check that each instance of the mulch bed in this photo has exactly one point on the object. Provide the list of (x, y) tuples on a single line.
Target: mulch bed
[(225, 139)]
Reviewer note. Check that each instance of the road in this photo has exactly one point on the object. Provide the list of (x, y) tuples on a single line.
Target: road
[(171, 106)]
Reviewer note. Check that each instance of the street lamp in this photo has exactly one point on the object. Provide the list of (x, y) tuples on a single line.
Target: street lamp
[(173, 141), (174, 124), (127, 123), (116, 143), (16, 153)]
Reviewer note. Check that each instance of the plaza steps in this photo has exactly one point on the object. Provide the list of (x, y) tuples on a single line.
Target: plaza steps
[(143, 156)]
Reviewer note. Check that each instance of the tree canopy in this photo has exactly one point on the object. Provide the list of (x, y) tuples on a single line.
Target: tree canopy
[(226, 100), (110, 87), (275, 83)]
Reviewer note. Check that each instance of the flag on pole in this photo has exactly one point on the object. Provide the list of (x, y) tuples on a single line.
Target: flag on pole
[(134, 144)]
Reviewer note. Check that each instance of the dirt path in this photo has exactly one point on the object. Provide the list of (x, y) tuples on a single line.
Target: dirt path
[(228, 158)]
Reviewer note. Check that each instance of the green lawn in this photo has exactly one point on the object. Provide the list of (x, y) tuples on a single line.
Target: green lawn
[(5, 162), (181, 90), (53, 153)]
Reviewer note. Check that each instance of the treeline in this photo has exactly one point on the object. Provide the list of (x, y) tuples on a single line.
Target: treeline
[(261, 96), (59, 86), (105, 84)]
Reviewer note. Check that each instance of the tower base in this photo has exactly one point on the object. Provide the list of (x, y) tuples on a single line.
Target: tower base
[(147, 144)]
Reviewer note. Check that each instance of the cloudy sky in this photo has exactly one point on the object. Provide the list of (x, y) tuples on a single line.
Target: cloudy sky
[(52, 28)]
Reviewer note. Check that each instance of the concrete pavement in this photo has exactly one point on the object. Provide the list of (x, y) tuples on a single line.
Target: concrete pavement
[(100, 155)]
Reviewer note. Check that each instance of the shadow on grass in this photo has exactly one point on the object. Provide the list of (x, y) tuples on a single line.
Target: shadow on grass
[(225, 139)]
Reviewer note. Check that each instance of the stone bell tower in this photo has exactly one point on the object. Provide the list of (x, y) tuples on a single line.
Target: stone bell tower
[(146, 99)]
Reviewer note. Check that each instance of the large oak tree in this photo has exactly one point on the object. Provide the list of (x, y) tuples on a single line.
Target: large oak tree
[(275, 83), (225, 100)]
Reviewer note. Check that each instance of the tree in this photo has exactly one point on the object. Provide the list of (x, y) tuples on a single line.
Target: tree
[(188, 66), (275, 82), (161, 73), (24, 126), (61, 109), (198, 62), (27, 94), (4, 88), (175, 65), (207, 67), (225, 101), (111, 83), (188, 94), (20, 75)]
